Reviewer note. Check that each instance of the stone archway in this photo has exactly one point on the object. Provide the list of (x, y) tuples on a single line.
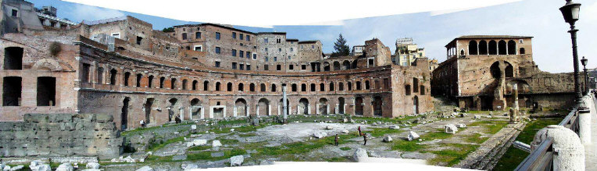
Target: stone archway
[(358, 106), (196, 109), (172, 114), (240, 107), (377, 106), (263, 107), (303, 106), (323, 106), (341, 104), (147, 107), (124, 114)]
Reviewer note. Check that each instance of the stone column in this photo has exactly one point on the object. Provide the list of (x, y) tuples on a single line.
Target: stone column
[(584, 122), (284, 105), (569, 153)]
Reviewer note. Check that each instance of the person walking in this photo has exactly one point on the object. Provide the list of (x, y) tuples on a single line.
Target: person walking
[(365, 138), (336, 140), (360, 134)]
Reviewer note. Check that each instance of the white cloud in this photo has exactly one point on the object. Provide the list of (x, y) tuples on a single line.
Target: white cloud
[(90, 13)]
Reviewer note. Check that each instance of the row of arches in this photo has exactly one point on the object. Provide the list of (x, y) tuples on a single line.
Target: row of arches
[(493, 47), (139, 80)]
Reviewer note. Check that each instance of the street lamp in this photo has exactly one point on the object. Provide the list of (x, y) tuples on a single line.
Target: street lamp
[(584, 62), (570, 11)]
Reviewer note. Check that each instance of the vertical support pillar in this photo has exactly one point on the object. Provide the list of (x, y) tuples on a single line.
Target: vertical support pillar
[(284, 105)]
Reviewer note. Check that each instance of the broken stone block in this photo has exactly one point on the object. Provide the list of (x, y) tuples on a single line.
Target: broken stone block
[(65, 167), (92, 165), (461, 126), (19, 167), (412, 136), (145, 168), (329, 127), (387, 138), (450, 129), (198, 142), (216, 143), (360, 155), (319, 134), (193, 127), (41, 167), (190, 166), (394, 127), (345, 131), (236, 160)]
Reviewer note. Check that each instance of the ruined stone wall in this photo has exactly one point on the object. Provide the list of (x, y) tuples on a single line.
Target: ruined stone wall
[(48, 135), (310, 50), (37, 62), (406, 97)]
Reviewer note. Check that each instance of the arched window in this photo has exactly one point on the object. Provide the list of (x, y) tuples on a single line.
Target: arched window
[(341, 86), (358, 85), (522, 52), (194, 86), (273, 88), (173, 83), (184, 84), (252, 87), (205, 85), (241, 87), (162, 79), (511, 47), (312, 87), (415, 85), (502, 47), (321, 87), (349, 84), (303, 87), (492, 48), (229, 86), (150, 81), (218, 86), (263, 88), (483, 47), (139, 77), (127, 77), (293, 87), (472, 48), (332, 86), (113, 73), (377, 86), (367, 85)]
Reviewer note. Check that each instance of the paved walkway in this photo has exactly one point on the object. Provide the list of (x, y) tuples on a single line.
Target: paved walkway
[(591, 149)]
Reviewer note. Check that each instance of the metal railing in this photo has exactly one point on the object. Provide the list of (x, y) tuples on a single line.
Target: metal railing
[(542, 157)]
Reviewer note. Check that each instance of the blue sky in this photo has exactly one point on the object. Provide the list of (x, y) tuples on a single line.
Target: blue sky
[(538, 18)]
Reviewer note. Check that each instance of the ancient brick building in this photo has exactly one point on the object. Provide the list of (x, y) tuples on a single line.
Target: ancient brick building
[(125, 68), (480, 71)]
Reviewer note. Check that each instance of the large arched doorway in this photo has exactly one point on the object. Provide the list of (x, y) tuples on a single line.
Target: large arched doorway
[(323, 106), (416, 105), (341, 105), (336, 66), (196, 109), (263, 107), (172, 109), (358, 106), (125, 113), (377, 106), (345, 65), (303, 107), (241, 107), (149, 118)]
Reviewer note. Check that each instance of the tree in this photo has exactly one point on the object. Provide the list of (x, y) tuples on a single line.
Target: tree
[(340, 47), (168, 29)]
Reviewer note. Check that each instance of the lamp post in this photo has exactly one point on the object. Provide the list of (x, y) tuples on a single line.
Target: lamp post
[(584, 62), (570, 11)]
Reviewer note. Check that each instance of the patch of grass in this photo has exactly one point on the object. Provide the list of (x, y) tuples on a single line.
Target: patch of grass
[(302, 147), (475, 138), (439, 134), (378, 132), (158, 145), (407, 146), (156, 159), (228, 141), (238, 129), (199, 148), (452, 156), (345, 148), (247, 135), (142, 130), (512, 158), (207, 155)]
